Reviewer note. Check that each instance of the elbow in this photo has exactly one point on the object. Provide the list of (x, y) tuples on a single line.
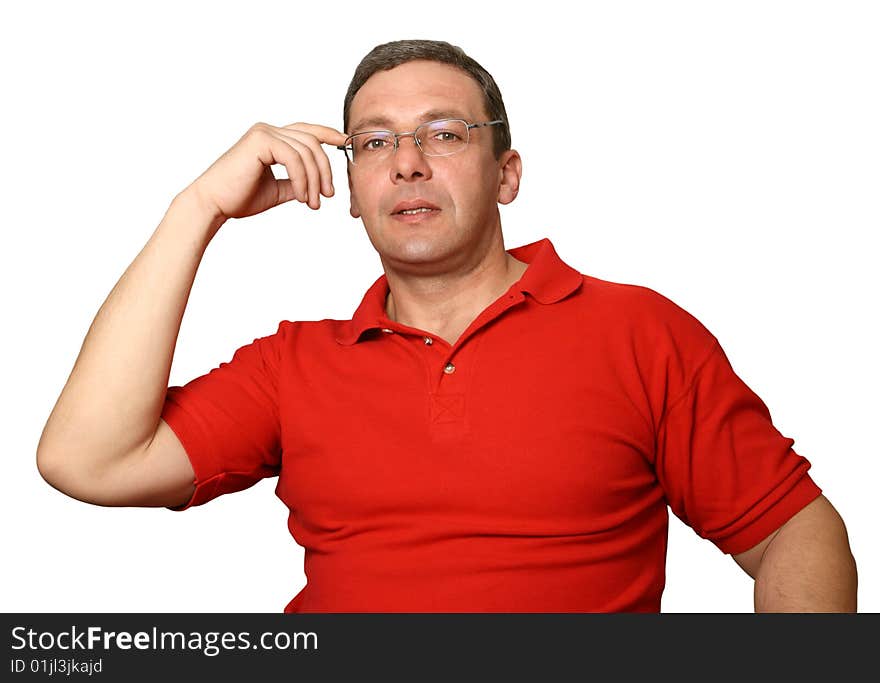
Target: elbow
[(51, 466), (67, 474), (50, 461), (47, 466)]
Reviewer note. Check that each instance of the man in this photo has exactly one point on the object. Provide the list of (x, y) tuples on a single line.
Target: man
[(491, 431)]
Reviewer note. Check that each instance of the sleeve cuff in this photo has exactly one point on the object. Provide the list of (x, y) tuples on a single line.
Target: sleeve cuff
[(176, 420), (804, 491)]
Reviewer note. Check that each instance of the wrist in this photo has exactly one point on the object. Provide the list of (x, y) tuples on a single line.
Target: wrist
[(202, 215)]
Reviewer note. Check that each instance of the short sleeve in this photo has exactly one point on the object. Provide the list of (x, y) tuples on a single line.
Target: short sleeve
[(726, 470), (228, 420)]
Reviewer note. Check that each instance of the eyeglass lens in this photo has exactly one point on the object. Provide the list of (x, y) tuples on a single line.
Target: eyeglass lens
[(435, 138)]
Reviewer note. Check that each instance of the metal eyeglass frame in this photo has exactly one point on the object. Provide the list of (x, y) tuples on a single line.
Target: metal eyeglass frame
[(347, 146)]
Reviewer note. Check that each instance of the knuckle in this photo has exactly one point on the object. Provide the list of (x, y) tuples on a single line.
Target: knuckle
[(256, 132)]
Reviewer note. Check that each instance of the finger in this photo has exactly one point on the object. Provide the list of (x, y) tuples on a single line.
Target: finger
[(321, 159), (283, 187), (280, 152), (313, 175), (324, 134)]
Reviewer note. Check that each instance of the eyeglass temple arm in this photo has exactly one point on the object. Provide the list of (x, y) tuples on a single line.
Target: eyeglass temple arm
[(487, 123)]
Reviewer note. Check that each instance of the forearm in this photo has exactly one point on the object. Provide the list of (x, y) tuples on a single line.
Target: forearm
[(808, 567), (114, 396)]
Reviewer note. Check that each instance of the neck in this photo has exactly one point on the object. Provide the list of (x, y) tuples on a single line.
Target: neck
[(445, 304)]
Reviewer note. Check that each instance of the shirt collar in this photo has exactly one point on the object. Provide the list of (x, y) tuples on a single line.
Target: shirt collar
[(547, 279)]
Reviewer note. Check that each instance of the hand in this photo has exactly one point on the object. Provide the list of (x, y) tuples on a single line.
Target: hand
[(241, 183)]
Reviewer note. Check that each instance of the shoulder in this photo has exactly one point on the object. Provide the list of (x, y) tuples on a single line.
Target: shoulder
[(642, 313), (311, 334)]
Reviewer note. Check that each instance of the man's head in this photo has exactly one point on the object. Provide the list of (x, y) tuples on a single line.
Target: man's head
[(389, 55), (397, 87)]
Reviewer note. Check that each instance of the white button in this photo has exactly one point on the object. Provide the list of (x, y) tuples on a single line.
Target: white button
[(387, 331), (428, 341), (449, 369)]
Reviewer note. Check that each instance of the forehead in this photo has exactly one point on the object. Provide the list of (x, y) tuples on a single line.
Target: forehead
[(414, 92)]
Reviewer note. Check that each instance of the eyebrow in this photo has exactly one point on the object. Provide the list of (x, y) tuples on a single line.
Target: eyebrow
[(372, 122)]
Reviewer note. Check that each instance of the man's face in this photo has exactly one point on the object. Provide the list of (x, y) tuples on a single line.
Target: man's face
[(466, 187)]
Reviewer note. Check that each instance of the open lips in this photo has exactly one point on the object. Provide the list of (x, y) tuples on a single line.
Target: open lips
[(414, 207)]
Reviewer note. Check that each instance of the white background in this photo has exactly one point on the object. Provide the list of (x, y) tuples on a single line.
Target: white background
[(723, 154)]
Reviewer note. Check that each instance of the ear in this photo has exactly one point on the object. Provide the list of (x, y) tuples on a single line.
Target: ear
[(354, 210), (509, 175)]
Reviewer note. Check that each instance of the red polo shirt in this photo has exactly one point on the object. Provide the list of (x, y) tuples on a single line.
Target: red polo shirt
[(526, 468)]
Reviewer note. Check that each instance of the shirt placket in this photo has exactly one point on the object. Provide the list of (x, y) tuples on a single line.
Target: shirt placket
[(450, 368)]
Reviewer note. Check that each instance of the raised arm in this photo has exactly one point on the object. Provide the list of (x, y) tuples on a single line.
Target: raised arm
[(104, 441)]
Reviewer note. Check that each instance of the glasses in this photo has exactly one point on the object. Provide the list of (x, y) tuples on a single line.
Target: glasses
[(434, 138)]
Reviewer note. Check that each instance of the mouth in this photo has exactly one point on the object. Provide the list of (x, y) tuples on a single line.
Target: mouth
[(415, 215), (411, 212), (414, 210), (416, 204)]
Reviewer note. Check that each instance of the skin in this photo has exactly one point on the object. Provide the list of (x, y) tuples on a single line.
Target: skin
[(441, 273)]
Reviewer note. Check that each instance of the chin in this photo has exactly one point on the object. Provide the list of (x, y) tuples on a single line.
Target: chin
[(415, 251), (411, 245)]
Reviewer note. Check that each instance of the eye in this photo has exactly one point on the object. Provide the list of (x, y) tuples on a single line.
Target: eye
[(374, 144), (446, 134)]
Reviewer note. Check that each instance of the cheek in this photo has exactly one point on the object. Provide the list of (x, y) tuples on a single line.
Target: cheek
[(363, 203), (479, 193)]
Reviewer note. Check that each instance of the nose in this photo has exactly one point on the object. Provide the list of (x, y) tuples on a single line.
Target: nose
[(407, 162)]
